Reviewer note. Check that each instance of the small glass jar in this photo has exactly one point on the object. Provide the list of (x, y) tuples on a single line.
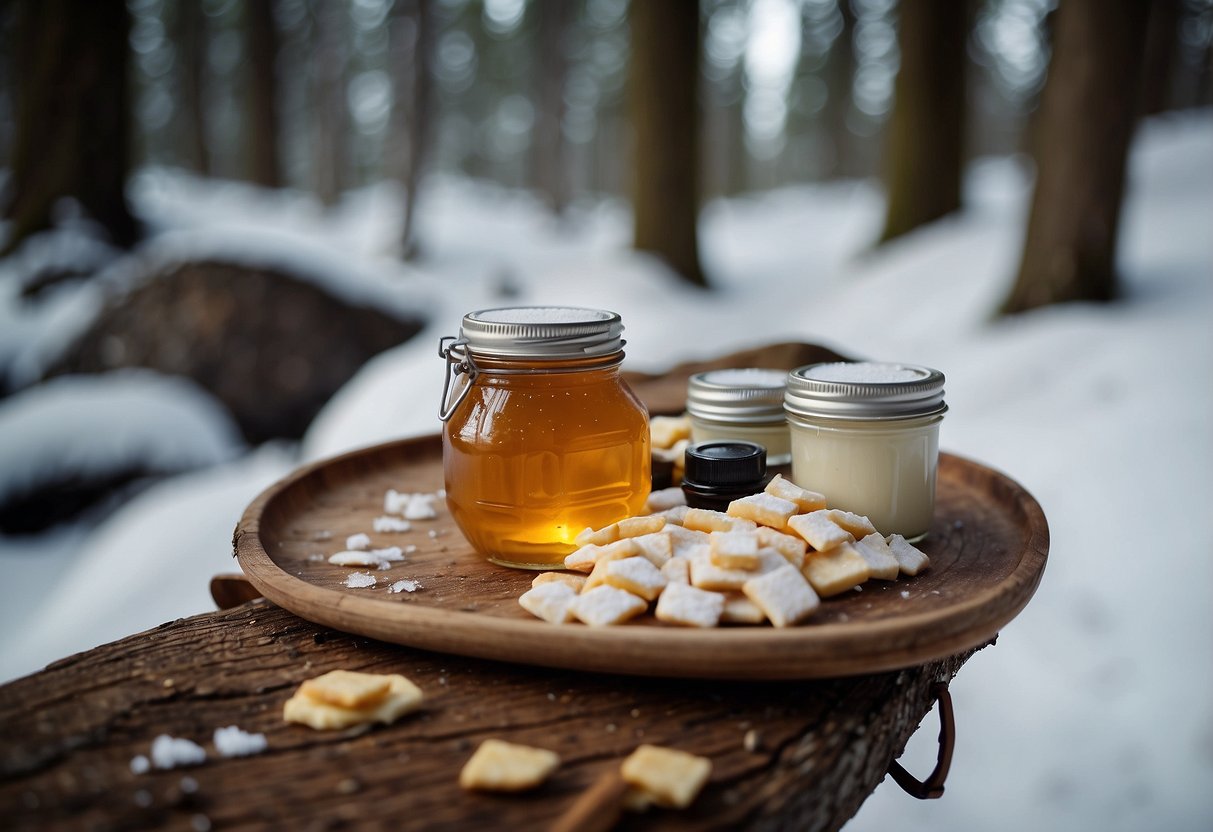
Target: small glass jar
[(743, 404), (543, 437), (866, 435)]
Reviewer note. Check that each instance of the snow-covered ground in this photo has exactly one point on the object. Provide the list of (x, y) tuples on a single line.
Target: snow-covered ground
[(1095, 708)]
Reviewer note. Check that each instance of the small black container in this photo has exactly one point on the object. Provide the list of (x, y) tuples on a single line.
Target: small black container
[(721, 471)]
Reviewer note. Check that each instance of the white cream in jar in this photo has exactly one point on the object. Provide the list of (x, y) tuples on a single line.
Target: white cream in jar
[(866, 435), (745, 404)]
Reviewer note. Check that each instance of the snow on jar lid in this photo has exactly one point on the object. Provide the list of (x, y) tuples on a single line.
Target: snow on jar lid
[(542, 332), (737, 396), (864, 390)]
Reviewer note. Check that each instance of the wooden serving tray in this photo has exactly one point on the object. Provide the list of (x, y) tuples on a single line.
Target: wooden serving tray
[(988, 547)]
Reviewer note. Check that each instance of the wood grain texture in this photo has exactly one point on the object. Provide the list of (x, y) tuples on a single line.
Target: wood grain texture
[(69, 733), (988, 547)]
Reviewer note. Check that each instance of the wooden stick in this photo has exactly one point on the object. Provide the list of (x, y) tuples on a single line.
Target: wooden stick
[(599, 807)]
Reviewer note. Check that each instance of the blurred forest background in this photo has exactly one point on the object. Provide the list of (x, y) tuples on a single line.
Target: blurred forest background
[(664, 104)]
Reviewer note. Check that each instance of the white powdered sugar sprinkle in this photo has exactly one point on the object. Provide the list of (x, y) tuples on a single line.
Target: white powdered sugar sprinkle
[(358, 542), (170, 752), (404, 586), (360, 580), (233, 742), (386, 524)]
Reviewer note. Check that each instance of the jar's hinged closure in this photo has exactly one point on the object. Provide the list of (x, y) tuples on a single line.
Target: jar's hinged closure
[(535, 333), (864, 390), (750, 395)]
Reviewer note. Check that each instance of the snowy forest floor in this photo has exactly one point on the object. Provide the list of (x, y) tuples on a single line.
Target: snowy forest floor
[(1095, 708)]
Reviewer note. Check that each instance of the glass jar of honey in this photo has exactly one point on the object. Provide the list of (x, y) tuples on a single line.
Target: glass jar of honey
[(542, 437)]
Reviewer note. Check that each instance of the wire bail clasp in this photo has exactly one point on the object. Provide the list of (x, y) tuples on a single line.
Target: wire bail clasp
[(458, 362)]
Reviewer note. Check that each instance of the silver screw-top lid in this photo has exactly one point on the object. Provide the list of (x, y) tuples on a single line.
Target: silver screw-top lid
[(748, 396), (864, 390), (542, 332)]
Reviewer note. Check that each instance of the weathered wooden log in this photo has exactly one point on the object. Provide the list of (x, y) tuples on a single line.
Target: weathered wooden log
[(814, 752)]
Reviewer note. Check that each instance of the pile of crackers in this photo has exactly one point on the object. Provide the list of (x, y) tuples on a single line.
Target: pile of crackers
[(771, 557)]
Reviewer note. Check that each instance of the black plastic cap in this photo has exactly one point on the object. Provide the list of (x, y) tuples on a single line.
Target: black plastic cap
[(728, 462)]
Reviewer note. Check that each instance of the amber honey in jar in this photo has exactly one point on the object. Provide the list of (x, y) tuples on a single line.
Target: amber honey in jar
[(542, 437)]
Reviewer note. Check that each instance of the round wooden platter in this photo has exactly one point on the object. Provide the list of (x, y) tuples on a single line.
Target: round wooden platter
[(988, 546)]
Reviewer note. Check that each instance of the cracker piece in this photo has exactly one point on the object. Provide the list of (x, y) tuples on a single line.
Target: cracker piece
[(908, 557), (347, 688), (550, 601), (499, 766), (656, 547), (804, 499), (734, 550), (673, 778), (676, 571), (764, 509), (666, 430), (355, 557), (574, 581), (637, 526), (665, 499), (788, 545), (637, 575), (707, 520), (739, 609), (588, 556), (605, 605), (402, 697), (881, 562), (835, 571), (684, 604), (618, 550), (819, 530), (856, 524), (683, 539), (675, 516), (597, 537), (707, 575), (783, 594)]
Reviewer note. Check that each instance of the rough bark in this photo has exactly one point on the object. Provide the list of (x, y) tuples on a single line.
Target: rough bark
[(1086, 123), (71, 731), (549, 162), (271, 347), (925, 151), (665, 116), (73, 135), (262, 41)]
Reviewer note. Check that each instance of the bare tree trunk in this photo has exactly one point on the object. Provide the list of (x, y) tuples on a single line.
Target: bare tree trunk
[(191, 38), (925, 152), (1086, 123), (264, 162), (72, 116), (840, 75), (328, 94), (665, 115), (549, 161), (1162, 45), (412, 47)]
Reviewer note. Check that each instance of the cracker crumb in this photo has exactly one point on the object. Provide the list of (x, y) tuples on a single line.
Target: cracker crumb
[(387, 524), (170, 752), (404, 585), (358, 542), (140, 764)]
